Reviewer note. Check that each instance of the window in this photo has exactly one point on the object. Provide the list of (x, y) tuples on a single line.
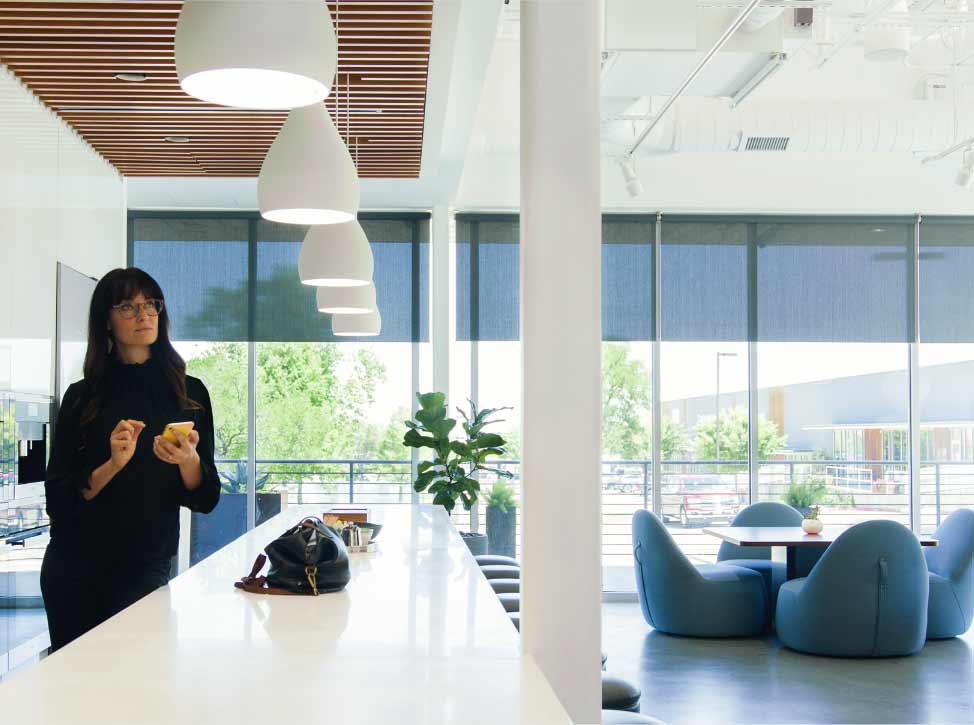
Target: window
[(946, 368), (201, 263), (832, 331), (704, 377), (329, 411)]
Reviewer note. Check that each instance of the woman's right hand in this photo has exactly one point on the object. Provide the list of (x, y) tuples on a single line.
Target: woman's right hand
[(123, 440)]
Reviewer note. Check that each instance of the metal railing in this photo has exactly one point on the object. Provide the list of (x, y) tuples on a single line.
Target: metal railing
[(853, 489)]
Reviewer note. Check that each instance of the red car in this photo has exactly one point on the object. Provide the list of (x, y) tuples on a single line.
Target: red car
[(698, 500)]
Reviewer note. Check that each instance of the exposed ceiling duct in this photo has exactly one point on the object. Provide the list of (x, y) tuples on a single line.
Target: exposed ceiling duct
[(710, 125)]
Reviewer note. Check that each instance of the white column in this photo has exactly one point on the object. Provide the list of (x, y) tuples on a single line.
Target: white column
[(561, 347), (440, 303), (440, 240)]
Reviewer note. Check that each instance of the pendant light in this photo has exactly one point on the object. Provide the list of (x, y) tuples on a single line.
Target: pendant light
[(368, 325), (347, 300), (336, 255), (308, 176), (256, 53)]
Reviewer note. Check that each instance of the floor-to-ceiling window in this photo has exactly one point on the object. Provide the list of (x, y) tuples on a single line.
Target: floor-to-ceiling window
[(785, 365), (485, 359), (628, 271), (201, 263), (486, 349), (301, 416), (833, 327), (704, 378), (946, 356), (784, 350)]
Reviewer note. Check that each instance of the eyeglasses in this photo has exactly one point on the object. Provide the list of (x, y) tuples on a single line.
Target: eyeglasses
[(129, 310)]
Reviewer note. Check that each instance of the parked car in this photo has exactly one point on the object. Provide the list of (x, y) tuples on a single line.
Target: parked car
[(698, 500)]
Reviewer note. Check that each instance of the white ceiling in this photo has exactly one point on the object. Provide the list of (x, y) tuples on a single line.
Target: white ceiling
[(472, 127)]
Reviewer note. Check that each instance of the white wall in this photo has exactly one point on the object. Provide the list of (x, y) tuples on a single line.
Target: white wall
[(59, 201)]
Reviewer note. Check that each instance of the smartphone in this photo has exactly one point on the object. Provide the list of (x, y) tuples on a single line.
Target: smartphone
[(183, 428)]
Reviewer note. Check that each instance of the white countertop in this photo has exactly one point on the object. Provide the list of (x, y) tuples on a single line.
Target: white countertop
[(417, 637)]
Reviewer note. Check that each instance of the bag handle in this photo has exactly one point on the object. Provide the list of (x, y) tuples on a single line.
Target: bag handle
[(258, 584)]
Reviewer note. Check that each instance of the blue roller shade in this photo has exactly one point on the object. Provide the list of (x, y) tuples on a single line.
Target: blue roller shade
[(704, 281), (947, 280), (826, 280), (207, 279), (202, 267), (488, 278)]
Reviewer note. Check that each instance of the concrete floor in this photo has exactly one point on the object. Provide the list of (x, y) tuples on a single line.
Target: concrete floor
[(759, 681)]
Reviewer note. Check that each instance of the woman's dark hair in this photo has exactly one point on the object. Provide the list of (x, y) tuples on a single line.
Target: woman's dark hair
[(116, 287)]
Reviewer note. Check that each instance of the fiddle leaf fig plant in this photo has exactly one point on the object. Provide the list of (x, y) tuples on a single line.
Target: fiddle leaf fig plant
[(451, 473)]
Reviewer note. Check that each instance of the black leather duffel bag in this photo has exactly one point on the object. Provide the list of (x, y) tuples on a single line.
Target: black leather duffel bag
[(309, 558)]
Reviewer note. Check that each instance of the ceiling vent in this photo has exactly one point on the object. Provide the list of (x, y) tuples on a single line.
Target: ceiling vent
[(765, 143)]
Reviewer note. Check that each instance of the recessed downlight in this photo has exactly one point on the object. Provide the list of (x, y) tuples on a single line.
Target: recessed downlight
[(131, 77), (178, 139)]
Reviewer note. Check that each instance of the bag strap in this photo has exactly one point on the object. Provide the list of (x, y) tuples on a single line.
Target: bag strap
[(258, 584)]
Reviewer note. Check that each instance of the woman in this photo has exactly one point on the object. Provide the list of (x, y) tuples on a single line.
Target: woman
[(114, 485)]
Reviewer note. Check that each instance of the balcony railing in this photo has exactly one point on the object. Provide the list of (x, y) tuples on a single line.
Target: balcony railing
[(693, 494)]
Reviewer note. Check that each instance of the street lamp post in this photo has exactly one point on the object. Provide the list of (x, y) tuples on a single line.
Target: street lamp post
[(717, 406)]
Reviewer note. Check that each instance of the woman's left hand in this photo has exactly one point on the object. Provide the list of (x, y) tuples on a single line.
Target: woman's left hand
[(178, 454)]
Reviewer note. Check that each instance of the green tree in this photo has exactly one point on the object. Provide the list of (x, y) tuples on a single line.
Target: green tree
[(733, 436), (223, 369), (312, 402), (626, 402)]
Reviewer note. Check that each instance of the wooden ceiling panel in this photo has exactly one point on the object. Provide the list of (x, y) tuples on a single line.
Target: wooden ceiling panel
[(68, 52)]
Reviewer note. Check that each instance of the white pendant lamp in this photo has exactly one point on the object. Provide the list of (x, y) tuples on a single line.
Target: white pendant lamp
[(368, 325), (308, 176), (346, 300), (256, 53), (336, 255)]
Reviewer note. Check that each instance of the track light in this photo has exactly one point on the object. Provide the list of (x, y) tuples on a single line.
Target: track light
[(633, 184), (965, 175)]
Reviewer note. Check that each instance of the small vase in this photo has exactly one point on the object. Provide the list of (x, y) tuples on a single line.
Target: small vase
[(812, 526)]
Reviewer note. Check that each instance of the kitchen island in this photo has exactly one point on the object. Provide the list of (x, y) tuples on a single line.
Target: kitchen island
[(417, 637)]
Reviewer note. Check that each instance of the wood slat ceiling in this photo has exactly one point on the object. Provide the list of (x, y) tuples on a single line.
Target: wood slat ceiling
[(68, 52)]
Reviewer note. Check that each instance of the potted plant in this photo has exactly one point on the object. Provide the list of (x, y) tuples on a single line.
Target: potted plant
[(806, 494), (501, 519), (451, 474), (811, 523)]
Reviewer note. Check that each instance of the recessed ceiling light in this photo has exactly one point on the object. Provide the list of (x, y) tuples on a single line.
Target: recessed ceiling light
[(177, 139), (878, 230), (131, 77)]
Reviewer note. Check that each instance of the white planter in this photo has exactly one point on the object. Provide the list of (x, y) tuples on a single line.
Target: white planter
[(812, 526)]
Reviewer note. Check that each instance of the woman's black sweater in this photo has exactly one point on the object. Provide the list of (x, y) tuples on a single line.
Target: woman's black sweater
[(135, 518)]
